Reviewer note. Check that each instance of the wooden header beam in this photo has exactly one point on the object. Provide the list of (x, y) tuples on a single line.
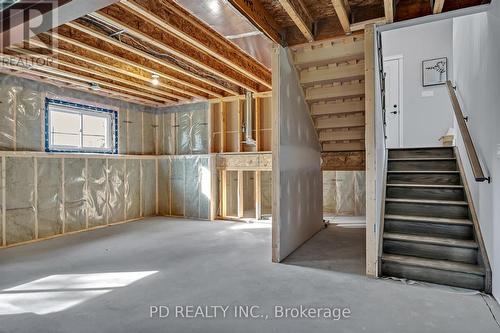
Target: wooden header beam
[(300, 16), (255, 12), (342, 14)]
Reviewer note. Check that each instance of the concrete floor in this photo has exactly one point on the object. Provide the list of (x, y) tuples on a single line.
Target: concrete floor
[(202, 263)]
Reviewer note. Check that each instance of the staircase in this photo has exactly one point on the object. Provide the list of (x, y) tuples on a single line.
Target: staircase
[(332, 75), (428, 230)]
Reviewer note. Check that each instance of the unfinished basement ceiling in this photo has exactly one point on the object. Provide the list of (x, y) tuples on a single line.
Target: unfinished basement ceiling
[(226, 20)]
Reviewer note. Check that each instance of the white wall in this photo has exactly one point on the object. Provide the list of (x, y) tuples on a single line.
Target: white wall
[(476, 53), (298, 187), (424, 119)]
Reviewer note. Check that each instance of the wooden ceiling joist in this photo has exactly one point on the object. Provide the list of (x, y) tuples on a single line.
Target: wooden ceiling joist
[(101, 83), (42, 76), (144, 55), (173, 46), (255, 12), (343, 14), (173, 19), (115, 63), (438, 6), (101, 74), (389, 10), (300, 16), (358, 26)]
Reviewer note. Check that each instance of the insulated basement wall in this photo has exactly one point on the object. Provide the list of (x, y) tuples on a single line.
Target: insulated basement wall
[(22, 117), (344, 193), (46, 195), (298, 197), (183, 129)]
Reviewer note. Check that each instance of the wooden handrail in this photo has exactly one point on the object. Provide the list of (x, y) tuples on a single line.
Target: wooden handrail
[(477, 169)]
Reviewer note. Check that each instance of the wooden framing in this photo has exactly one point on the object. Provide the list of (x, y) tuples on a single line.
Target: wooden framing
[(342, 14), (173, 19), (371, 175), (438, 6), (115, 66), (389, 10), (173, 46), (141, 54), (362, 25), (169, 96), (355, 70), (300, 16), (255, 12)]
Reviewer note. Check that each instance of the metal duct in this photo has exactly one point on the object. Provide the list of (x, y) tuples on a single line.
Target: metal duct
[(248, 119)]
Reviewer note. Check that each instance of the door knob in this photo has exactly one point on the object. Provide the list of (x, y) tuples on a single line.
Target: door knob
[(394, 112), (395, 105)]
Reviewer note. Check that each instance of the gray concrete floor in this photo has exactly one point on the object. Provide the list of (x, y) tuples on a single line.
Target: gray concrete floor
[(204, 263)]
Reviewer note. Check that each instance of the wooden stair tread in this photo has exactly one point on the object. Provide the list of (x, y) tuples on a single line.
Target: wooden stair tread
[(470, 244), (423, 148), (429, 219), (430, 202), (427, 186), (423, 159), (445, 265), (424, 171)]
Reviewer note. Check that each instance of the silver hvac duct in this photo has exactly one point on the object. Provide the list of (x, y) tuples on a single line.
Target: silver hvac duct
[(248, 119)]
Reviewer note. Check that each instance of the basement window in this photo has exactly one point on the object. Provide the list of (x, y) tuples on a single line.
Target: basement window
[(78, 128)]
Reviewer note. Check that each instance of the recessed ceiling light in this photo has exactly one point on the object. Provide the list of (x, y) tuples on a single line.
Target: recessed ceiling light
[(95, 87), (155, 79)]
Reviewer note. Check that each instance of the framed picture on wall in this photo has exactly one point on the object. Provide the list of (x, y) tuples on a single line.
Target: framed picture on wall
[(434, 71)]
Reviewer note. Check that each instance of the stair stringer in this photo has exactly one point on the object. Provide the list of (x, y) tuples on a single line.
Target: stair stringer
[(482, 253)]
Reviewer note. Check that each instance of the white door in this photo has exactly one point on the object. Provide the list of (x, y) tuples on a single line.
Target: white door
[(392, 102)]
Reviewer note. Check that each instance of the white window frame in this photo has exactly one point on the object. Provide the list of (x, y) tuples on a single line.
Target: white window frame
[(73, 108)]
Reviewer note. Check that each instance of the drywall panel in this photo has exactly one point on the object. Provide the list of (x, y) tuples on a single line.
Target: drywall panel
[(298, 197), (49, 193), (97, 192), (426, 114), (477, 75), (20, 219), (75, 194), (149, 187)]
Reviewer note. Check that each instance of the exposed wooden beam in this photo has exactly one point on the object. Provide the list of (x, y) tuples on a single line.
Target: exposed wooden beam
[(438, 6), (342, 14), (174, 19), (255, 12), (176, 48), (362, 25), (81, 85), (87, 80), (300, 16), (90, 71), (116, 67), (389, 10), (144, 55)]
